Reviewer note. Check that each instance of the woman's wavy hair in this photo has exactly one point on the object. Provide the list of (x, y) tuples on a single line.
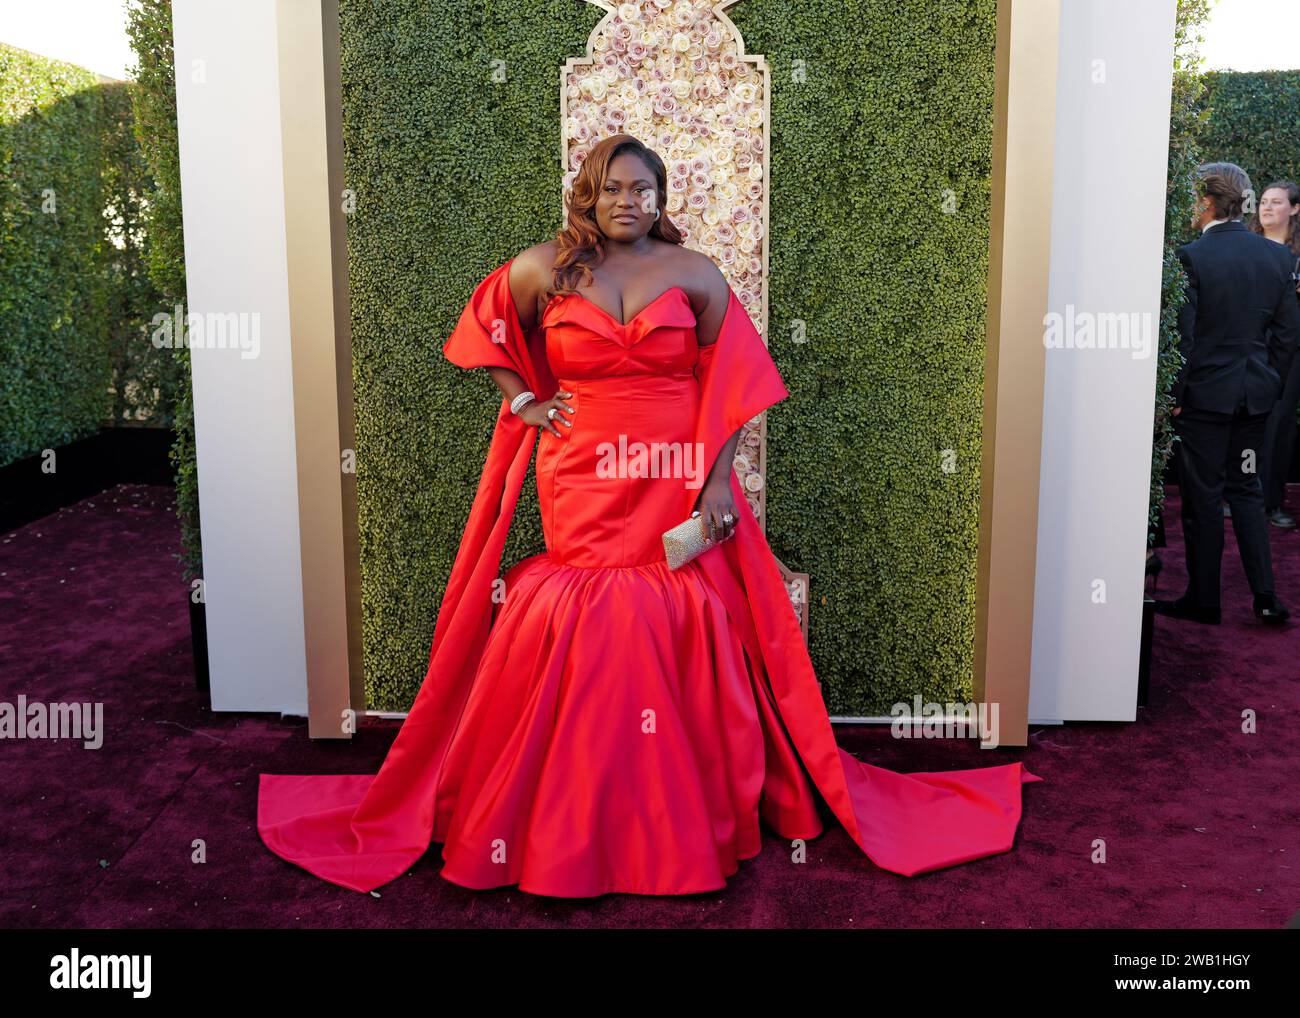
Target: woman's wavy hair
[(580, 245), (1293, 227)]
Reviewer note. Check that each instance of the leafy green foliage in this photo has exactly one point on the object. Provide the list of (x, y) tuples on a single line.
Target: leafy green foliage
[(881, 165), (1187, 119), (75, 298), (149, 25), (54, 293), (146, 380), (1252, 121)]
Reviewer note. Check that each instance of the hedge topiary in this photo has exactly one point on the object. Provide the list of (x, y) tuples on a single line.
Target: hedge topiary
[(1252, 122), (54, 301), (74, 294)]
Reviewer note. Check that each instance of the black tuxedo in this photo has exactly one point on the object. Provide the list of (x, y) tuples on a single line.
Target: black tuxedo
[(1238, 333), (1280, 431), (1238, 330)]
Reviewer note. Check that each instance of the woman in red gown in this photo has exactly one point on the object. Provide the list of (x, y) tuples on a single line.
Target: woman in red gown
[(611, 724)]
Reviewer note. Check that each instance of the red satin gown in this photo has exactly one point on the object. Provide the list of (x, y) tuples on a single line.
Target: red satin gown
[(610, 724)]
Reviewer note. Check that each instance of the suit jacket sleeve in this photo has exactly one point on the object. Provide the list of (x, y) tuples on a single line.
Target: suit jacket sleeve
[(1284, 327), (1186, 325)]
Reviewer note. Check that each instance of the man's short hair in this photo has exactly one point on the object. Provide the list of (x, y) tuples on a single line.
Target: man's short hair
[(1226, 185)]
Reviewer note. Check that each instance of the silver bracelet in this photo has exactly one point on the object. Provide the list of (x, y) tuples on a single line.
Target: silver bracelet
[(520, 401)]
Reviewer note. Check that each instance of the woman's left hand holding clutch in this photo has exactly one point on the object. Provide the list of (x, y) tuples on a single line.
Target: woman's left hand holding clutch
[(717, 507)]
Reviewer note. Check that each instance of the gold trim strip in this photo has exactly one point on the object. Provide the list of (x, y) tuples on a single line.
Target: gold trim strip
[(1015, 362), (311, 115)]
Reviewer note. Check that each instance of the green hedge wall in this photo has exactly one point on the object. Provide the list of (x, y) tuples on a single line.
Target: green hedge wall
[(54, 360), (879, 245), (1252, 122), (74, 294), (893, 126)]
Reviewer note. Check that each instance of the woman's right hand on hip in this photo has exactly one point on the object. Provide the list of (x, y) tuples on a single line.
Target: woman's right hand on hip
[(538, 412)]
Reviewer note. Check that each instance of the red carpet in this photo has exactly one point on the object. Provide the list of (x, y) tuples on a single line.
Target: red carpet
[(1201, 822)]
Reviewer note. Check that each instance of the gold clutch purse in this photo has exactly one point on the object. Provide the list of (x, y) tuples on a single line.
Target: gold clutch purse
[(688, 540)]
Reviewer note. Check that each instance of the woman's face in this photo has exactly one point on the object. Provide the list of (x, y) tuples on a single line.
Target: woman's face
[(625, 207), (1274, 209)]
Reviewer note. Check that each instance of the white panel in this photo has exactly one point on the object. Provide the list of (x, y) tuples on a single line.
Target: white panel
[(1107, 212), (227, 97)]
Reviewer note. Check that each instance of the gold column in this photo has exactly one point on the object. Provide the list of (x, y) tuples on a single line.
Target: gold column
[(311, 114), (1019, 258)]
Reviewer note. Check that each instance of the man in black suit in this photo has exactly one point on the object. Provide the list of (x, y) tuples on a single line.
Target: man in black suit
[(1238, 332)]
